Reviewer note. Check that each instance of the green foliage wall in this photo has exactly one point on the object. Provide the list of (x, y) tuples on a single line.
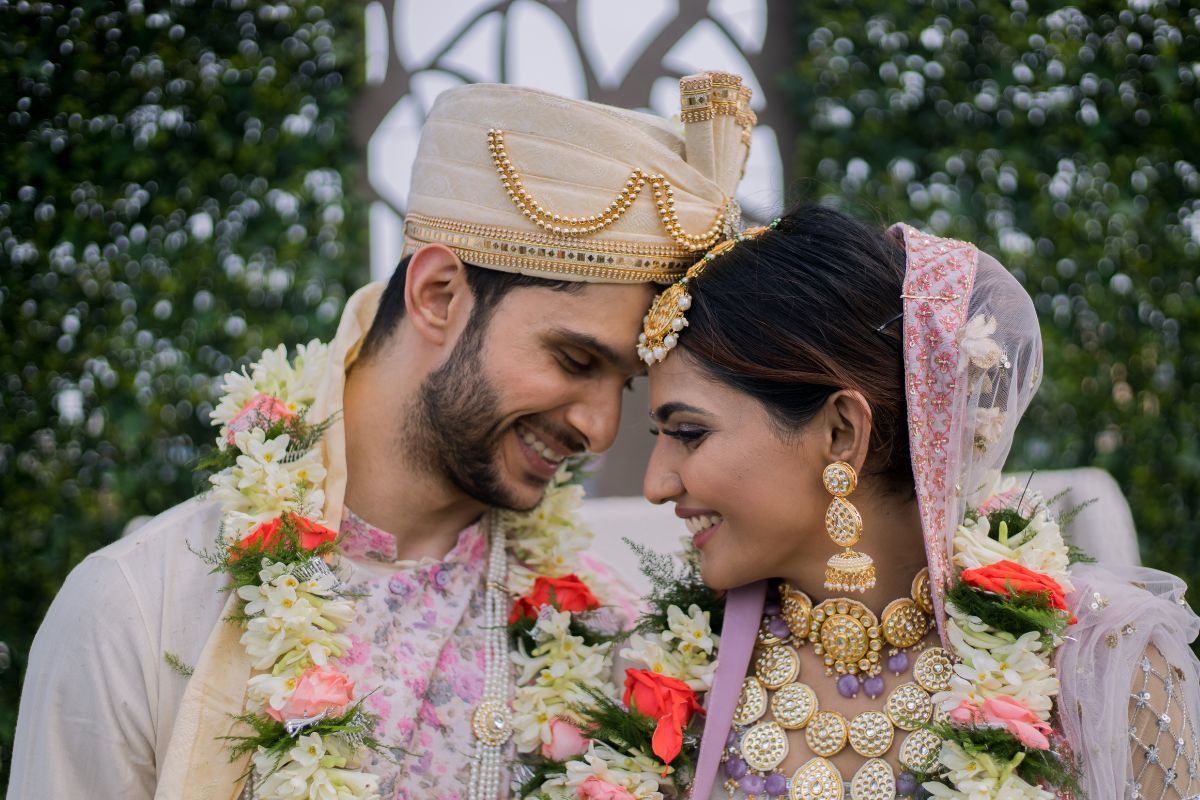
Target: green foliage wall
[(173, 197), (1066, 145)]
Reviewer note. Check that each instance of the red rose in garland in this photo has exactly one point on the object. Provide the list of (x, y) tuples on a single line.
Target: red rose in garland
[(310, 534), (668, 700), (1006, 578), (567, 593)]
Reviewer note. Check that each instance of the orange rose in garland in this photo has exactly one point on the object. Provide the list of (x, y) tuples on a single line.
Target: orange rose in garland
[(668, 700), (310, 535), (1006, 578), (567, 593)]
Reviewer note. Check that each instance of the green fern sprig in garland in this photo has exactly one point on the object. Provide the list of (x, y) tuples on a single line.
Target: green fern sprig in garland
[(673, 584), (1018, 614)]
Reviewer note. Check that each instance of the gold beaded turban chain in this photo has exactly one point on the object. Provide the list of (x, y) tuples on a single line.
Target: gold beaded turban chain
[(668, 314), (523, 181)]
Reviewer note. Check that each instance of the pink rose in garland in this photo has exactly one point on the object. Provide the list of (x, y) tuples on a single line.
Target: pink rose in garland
[(596, 788), (565, 741), (1006, 577), (1006, 712), (260, 411), (668, 700), (320, 690)]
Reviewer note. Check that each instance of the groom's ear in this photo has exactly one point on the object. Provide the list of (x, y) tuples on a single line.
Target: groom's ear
[(437, 298), (846, 428)]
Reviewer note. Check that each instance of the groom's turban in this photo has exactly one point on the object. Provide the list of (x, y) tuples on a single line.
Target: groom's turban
[(524, 181)]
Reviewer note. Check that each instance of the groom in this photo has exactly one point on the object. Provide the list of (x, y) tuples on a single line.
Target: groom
[(536, 231)]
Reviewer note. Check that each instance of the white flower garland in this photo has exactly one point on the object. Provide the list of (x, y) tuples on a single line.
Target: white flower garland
[(1002, 681), (567, 653), (295, 608), (684, 651)]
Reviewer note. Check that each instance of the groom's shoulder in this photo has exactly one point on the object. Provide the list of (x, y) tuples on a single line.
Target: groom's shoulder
[(110, 643), (172, 541), (157, 560)]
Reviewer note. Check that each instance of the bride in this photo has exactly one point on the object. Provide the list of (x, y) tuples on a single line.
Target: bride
[(833, 404)]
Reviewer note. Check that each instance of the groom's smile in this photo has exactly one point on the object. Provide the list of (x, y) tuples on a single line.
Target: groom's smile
[(558, 363), (543, 457)]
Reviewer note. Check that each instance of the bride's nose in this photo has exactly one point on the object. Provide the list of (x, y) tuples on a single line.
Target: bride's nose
[(662, 482)]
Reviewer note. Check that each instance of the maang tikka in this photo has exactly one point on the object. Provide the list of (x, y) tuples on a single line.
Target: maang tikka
[(849, 570)]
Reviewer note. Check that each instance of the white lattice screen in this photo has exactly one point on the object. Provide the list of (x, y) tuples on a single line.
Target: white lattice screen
[(625, 52)]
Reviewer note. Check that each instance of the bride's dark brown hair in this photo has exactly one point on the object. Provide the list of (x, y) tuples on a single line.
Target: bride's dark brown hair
[(803, 311)]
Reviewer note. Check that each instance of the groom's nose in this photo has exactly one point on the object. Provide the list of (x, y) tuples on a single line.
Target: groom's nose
[(596, 415)]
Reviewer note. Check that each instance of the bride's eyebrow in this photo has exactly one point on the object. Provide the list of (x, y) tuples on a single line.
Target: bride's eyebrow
[(664, 412)]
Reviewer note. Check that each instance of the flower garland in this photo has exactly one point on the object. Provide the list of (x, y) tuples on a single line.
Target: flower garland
[(308, 731), (563, 635), (1007, 614), (635, 744)]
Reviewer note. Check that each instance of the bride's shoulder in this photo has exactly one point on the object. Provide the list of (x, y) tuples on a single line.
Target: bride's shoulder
[(1106, 595), (1130, 683), (1121, 610)]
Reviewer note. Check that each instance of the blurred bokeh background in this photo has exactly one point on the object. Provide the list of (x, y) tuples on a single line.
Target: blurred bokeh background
[(184, 183)]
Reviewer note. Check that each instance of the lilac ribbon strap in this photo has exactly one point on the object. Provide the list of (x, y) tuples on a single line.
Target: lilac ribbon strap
[(743, 610)]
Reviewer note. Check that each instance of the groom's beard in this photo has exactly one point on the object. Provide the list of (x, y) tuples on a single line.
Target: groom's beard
[(454, 428)]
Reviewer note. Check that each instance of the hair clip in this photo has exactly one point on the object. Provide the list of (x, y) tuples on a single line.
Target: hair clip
[(882, 327)]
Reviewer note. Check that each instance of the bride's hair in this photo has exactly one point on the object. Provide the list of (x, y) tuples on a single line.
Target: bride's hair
[(803, 311)]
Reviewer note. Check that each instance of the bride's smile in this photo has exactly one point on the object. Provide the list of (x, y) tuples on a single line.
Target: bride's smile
[(702, 525)]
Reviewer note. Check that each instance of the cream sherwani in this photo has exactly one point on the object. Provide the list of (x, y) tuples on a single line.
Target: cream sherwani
[(102, 712)]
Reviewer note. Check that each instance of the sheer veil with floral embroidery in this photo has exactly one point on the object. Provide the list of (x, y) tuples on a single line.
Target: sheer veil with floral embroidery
[(1130, 686)]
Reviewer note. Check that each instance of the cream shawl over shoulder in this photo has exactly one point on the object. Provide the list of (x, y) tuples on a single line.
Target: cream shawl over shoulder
[(197, 764)]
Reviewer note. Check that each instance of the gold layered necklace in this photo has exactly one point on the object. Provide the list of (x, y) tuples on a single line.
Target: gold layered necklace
[(851, 640)]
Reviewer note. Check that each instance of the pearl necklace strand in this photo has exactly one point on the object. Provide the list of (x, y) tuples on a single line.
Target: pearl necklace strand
[(492, 721)]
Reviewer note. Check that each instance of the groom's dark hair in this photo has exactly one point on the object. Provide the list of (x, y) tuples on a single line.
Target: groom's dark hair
[(797, 314), (488, 286)]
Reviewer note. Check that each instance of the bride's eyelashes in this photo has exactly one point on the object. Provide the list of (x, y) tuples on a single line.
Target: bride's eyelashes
[(690, 435)]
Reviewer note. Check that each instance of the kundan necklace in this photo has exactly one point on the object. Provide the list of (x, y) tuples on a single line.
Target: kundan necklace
[(850, 638)]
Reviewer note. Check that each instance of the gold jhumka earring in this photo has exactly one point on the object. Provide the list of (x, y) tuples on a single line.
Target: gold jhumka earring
[(849, 570)]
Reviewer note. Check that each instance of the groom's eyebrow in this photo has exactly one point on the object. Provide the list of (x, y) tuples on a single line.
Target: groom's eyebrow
[(664, 412), (626, 363)]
